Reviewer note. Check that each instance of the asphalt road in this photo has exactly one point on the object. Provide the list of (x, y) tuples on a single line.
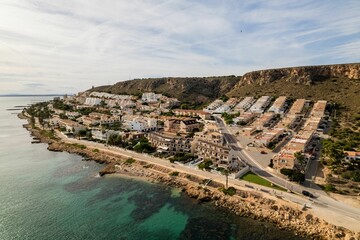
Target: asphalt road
[(322, 199)]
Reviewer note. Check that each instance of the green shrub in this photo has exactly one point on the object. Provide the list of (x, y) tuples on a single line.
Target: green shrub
[(229, 191), (329, 188), (174, 174), (129, 161)]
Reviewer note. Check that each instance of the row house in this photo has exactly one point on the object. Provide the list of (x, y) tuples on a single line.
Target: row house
[(141, 124), (92, 101), (169, 103), (245, 104), (150, 97), (182, 125), (72, 115), (222, 109), (318, 109), (71, 126), (210, 144), (193, 113), (299, 143), (279, 105), (264, 120), (297, 107), (245, 117), (294, 115), (214, 105), (231, 102), (269, 136), (260, 104), (169, 143)]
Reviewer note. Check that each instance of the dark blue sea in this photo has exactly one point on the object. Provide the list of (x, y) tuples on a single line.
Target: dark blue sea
[(51, 195)]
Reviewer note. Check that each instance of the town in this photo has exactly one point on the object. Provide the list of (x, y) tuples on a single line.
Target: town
[(280, 135)]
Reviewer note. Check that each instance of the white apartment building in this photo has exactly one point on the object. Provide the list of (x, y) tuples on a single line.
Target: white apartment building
[(214, 105), (141, 124), (150, 97), (92, 101), (245, 104), (260, 104), (222, 109)]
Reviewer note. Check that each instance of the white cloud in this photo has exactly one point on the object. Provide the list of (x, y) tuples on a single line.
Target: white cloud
[(68, 46)]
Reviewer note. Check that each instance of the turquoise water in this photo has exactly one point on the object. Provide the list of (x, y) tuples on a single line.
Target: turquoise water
[(51, 195)]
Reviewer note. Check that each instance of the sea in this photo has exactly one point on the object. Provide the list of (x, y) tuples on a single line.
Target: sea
[(57, 195)]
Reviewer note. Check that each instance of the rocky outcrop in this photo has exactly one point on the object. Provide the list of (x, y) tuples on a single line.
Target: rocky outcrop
[(194, 89), (302, 75)]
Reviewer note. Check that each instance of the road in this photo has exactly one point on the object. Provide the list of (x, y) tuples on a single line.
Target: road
[(335, 208)]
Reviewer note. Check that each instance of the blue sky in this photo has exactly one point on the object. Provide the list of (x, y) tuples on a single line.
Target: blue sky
[(63, 46)]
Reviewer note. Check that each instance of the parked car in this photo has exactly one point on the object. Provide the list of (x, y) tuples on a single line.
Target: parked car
[(263, 152), (308, 194)]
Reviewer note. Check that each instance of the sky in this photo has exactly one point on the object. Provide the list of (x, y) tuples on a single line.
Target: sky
[(67, 46)]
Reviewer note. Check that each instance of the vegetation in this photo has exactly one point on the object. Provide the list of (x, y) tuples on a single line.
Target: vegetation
[(182, 157), (49, 134), (129, 161), (294, 175), (95, 150), (229, 117), (58, 104), (86, 111), (81, 146), (252, 177), (193, 91), (229, 191), (205, 164), (142, 145), (39, 110), (174, 174), (344, 137)]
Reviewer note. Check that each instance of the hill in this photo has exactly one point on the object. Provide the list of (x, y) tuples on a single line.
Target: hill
[(195, 90), (337, 83)]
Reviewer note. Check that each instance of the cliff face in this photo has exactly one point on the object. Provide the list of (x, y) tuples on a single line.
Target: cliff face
[(335, 83), (194, 90), (302, 75)]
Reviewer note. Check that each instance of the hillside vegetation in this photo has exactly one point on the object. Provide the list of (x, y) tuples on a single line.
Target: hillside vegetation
[(196, 90)]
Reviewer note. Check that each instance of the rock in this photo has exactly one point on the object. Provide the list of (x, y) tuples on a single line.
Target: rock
[(203, 197)]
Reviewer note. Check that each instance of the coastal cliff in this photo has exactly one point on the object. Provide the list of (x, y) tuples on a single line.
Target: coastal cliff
[(338, 83), (334, 83), (307, 75)]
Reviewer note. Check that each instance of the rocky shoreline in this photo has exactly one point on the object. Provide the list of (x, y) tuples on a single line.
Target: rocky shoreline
[(244, 203)]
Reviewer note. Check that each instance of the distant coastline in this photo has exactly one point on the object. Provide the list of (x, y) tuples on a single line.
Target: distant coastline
[(33, 95)]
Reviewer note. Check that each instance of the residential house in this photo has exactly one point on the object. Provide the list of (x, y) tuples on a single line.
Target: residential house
[(210, 144), (71, 126), (186, 125), (169, 142), (193, 113)]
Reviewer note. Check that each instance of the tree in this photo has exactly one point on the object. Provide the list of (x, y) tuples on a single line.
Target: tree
[(300, 158), (226, 173)]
